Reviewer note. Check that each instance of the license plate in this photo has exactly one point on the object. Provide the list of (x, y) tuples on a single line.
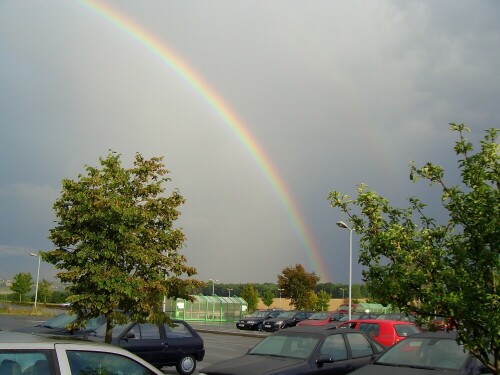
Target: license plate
[(267, 326)]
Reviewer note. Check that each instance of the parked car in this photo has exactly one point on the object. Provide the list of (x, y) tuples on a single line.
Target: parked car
[(426, 353), (255, 321), (23, 353), (320, 319), (60, 323), (285, 320), (303, 350), (161, 345), (385, 332), (344, 308)]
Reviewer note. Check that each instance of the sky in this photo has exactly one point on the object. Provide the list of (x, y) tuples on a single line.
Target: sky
[(259, 109)]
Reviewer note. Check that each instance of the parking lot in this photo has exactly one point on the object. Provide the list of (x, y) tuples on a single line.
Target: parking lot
[(222, 340)]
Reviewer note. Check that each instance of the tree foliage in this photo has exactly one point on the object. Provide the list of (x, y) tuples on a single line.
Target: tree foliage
[(249, 294), (21, 284), (450, 269), (44, 290), (297, 285), (323, 303), (116, 244), (268, 298)]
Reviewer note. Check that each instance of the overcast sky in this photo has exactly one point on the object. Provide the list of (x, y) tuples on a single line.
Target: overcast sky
[(335, 93)]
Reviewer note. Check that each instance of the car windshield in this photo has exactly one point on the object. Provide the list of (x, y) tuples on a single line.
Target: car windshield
[(60, 321), (117, 330), (260, 314), (287, 314), (287, 344), (319, 316), (442, 353)]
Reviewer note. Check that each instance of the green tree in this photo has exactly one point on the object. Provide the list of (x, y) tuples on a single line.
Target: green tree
[(268, 298), (297, 285), (21, 284), (450, 269), (44, 290), (116, 244), (249, 294), (323, 303)]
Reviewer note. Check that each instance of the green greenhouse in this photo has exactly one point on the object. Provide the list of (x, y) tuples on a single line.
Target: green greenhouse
[(207, 308)]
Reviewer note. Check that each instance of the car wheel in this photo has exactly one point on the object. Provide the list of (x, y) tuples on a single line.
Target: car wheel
[(186, 365)]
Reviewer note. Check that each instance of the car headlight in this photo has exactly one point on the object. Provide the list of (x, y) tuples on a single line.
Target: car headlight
[(279, 322)]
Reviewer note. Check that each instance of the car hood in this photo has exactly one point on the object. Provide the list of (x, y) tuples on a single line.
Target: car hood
[(254, 364), (398, 370)]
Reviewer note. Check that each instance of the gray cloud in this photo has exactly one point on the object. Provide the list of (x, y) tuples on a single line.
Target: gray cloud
[(336, 93)]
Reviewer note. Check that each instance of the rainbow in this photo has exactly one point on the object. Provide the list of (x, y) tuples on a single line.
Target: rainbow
[(173, 62)]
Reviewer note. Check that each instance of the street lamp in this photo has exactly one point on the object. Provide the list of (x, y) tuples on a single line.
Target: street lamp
[(229, 290), (213, 285), (343, 290), (37, 275), (343, 225)]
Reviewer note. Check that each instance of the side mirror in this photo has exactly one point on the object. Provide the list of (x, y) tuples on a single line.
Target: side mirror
[(324, 358), (129, 335)]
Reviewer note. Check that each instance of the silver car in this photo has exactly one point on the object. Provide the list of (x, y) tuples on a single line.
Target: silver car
[(28, 354)]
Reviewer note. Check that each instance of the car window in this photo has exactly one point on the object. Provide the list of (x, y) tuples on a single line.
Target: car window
[(149, 331), (334, 346), (86, 362), (360, 347), (406, 329), (287, 345), (26, 361), (178, 330), (371, 329)]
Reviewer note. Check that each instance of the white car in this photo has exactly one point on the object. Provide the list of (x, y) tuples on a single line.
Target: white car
[(27, 354)]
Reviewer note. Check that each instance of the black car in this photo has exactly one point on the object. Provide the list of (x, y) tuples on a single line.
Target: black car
[(426, 353), (303, 350), (161, 345), (60, 323), (284, 320), (255, 321)]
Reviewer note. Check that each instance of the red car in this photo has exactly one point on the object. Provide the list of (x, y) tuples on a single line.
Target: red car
[(385, 332)]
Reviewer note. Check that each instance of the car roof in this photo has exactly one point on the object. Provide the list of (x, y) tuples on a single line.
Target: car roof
[(317, 329), (438, 334), (379, 321), (17, 340)]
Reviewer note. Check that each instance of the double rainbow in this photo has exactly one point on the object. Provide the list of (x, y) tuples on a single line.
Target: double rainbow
[(235, 125)]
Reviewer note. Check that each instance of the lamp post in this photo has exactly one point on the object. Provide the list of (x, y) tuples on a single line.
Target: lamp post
[(213, 285), (280, 290), (37, 276), (343, 290), (229, 290), (343, 225)]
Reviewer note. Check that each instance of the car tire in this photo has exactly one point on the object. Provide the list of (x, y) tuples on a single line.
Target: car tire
[(186, 365)]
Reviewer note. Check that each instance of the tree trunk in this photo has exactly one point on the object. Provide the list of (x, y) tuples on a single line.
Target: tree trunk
[(109, 330)]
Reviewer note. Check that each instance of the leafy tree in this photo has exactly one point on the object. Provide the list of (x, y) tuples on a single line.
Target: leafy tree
[(249, 294), (450, 269), (21, 284), (116, 243), (323, 303), (311, 301), (44, 290), (268, 298), (297, 285)]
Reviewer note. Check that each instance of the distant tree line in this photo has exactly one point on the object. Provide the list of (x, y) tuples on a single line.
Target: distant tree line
[(334, 290)]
